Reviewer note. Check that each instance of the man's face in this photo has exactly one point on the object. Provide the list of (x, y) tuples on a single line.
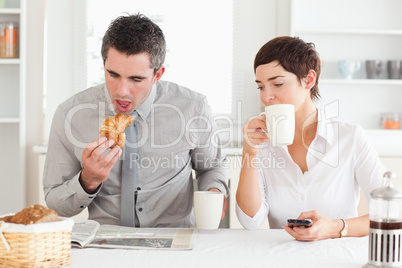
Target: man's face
[(129, 79)]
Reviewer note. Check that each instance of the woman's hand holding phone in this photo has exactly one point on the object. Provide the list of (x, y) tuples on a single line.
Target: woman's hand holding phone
[(322, 227)]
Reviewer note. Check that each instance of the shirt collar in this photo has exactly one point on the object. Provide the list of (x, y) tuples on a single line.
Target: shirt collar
[(144, 109), (325, 128)]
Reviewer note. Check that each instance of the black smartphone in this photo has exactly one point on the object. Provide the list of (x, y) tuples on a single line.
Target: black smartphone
[(306, 223)]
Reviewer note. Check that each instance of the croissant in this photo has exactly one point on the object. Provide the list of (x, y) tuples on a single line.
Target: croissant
[(113, 128)]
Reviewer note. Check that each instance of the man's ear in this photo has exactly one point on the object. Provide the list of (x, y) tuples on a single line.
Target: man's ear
[(158, 74), (310, 79)]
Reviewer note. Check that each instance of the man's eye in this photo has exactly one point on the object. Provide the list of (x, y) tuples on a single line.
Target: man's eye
[(136, 80), (113, 75), (260, 88)]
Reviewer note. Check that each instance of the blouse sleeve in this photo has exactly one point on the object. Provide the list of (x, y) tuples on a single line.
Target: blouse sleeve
[(369, 170)]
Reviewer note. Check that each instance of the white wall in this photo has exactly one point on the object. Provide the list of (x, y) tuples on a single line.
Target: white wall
[(34, 96), (58, 56)]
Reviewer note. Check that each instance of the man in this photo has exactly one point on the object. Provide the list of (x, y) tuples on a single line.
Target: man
[(148, 183)]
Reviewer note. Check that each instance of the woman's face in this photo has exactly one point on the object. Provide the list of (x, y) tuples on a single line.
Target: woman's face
[(278, 86)]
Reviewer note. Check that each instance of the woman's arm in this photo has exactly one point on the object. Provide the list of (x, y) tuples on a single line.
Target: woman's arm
[(324, 227), (248, 195)]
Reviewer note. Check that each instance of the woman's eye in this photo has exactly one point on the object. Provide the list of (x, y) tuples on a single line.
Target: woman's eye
[(278, 85), (259, 88)]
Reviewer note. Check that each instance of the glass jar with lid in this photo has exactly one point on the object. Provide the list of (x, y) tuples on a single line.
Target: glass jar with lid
[(385, 238)]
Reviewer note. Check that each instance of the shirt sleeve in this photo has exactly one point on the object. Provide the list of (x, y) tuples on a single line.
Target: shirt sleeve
[(369, 170), (62, 189), (208, 160)]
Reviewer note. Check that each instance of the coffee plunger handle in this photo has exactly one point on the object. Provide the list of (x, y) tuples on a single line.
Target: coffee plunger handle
[(388, 176)]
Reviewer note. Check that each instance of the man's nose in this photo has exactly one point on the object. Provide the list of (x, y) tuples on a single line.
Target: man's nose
[(123, 87)]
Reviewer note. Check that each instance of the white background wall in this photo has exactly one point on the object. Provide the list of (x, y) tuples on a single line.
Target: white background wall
[(34, 97)]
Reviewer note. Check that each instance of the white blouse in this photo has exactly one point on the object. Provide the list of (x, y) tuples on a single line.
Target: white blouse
[(341, 161)]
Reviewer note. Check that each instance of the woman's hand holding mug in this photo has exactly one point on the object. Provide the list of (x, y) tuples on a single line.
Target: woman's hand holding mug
[(254, 133), (275, 125)]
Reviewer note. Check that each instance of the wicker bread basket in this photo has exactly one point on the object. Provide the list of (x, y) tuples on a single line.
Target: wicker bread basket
[(36, 245)]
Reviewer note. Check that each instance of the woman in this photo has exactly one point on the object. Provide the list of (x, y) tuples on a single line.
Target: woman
[(320, 175)]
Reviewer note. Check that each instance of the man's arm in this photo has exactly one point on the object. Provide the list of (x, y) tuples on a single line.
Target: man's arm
[(63, 192), (208, 160), (71, 181)]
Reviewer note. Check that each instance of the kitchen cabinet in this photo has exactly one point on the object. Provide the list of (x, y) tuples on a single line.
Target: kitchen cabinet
[(12, 115), (353, 30)]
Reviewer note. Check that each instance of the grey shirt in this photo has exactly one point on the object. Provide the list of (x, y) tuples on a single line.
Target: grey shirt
[(176, 134)]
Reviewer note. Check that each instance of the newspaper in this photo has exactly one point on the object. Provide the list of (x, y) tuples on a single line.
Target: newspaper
[(91, 234)]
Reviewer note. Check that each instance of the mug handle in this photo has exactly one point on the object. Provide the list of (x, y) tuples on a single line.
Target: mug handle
[(266, 133)]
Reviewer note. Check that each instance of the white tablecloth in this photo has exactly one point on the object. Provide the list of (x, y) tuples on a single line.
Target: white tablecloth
[(235, 248)]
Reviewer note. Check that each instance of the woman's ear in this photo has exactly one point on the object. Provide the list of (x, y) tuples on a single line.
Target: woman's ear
[(310, 79)]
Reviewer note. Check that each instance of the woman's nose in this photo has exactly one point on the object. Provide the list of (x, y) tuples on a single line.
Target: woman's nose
[(266, 96)]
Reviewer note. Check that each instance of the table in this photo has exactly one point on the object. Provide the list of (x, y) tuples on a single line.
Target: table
[(235, 248)]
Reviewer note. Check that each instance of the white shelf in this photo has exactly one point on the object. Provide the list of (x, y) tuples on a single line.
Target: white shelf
[(350, 31), (390, 82), (13, 127), (9, 120), (356, 33), (11, 11), (9, 61)]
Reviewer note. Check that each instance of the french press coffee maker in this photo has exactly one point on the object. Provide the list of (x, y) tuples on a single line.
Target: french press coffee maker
[(385, 238)]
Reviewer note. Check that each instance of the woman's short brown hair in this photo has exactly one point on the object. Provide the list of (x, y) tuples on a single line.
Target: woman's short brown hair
[(294, 55)]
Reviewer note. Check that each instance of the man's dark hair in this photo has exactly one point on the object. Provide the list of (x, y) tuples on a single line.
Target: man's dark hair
[(135, 34)]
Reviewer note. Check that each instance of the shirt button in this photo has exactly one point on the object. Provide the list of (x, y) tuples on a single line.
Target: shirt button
[(302, 197), (139, 188), (81, 206), (140, 209)]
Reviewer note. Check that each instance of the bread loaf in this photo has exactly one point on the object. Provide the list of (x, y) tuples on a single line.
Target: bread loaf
[(31, 215)]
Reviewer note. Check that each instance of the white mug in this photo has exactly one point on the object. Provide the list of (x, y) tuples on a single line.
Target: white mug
[(280, 123), (208, 207)]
